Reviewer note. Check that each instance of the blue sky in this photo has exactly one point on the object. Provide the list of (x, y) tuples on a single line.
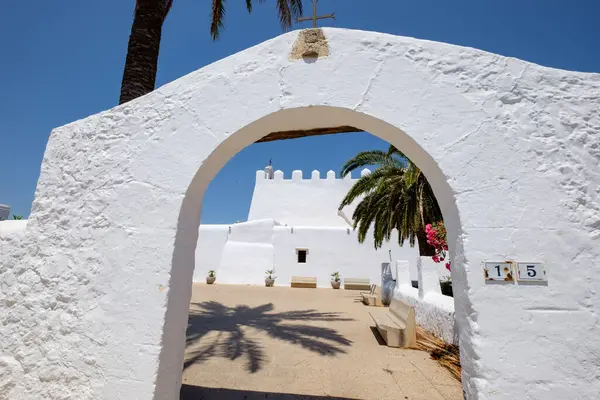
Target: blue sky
[(62, 60)]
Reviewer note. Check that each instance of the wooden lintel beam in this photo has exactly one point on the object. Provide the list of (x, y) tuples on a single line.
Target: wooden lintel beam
[(286, 135)]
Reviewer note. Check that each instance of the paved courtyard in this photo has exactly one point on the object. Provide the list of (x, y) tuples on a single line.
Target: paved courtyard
[(252, 342)]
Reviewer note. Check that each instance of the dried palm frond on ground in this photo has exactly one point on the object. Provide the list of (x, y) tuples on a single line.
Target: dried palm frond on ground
[(446, 354)]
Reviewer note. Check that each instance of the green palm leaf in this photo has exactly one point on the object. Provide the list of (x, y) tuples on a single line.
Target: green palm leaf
[(395, 196), (287, 10)]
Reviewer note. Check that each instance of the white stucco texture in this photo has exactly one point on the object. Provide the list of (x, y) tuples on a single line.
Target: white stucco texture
[(242, 252), (94, 296), (304, 201), (12, 228), (433, 310), (243, 256)]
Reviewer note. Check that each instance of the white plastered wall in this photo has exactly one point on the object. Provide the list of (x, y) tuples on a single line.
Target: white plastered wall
[(211, 240), (331, 250), (248, 253), (433, 310), (12, 228), (243, 255), (301, 201), (510, 149)]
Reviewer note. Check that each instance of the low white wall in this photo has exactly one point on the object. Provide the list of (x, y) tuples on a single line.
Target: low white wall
[(211, 240), (11, 234), (11, 228), (243, 255), (239, 253), (248, 253), (433, 310)]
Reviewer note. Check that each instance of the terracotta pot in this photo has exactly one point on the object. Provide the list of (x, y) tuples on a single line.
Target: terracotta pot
[(269, 282), (336, 285), (211, 279)]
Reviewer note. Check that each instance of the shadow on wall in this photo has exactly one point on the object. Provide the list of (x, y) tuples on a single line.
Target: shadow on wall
[(215, 330), (196, 393)]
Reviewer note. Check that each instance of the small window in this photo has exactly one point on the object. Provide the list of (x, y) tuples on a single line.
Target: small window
[(302, 255)]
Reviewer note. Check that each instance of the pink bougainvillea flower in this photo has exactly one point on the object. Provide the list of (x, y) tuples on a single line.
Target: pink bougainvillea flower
[(436, 237)]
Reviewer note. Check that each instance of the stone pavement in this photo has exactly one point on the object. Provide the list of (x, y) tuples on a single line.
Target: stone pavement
[(252, 342)]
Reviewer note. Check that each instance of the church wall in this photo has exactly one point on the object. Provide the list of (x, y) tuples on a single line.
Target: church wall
[(248, 253), (331, 250), (211, 241), (240, 258), (302, 201), (238, 253), (245, 263)]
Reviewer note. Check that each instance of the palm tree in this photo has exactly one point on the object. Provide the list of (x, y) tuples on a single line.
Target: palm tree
[(394, 196), (141, 63)]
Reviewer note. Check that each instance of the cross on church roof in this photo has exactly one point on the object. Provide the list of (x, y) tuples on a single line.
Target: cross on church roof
[(315, 17)]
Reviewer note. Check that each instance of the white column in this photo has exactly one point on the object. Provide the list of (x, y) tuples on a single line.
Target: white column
[(429, 281)]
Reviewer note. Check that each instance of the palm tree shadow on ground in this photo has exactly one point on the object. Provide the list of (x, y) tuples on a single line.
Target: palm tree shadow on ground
[(231, 342)]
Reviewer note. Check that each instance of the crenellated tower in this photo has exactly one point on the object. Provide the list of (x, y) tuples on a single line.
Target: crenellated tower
[(302, 202)]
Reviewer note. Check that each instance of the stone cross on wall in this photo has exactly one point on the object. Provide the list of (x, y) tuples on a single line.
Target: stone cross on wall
[(315, 17)]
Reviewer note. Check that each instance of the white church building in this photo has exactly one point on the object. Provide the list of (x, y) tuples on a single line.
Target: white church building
[(294, 227)]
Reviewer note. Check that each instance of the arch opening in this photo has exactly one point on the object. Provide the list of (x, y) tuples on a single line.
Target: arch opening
[(313, 118)]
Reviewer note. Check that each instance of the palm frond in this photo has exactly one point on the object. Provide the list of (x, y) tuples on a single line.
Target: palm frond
[(287, 11), (363, 159), (393, 151), (297, 9), (366, 158), (412, 175), (217, 16), (285, 14), (369, 182), (396, 196)]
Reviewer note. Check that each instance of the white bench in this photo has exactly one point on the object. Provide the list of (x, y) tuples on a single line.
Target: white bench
[(373, 297), (357, 284), (397, 326), (304, 282)]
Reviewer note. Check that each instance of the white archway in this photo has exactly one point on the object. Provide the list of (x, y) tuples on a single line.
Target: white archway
[(97, 289), (289, 119)]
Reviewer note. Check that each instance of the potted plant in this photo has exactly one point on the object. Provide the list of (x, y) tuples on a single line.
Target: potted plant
[(270, 278), (335, 280), (211, 278)]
